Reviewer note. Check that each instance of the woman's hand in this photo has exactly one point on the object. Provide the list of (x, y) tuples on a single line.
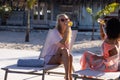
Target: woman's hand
[(101, 21), (61, 45)]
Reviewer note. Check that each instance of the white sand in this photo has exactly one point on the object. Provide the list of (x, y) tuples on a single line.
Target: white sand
[(13, 47)]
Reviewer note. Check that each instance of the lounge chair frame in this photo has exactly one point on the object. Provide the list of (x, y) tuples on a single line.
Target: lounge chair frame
[(89, 74), (34, 70)]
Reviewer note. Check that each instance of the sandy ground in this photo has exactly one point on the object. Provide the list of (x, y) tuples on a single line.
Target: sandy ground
[(14, 47)]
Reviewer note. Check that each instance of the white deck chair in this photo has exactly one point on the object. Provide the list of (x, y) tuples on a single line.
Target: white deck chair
[(35, 70), (89, 74)]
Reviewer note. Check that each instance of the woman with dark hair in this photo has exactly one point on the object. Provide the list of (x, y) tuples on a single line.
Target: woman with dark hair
[(109, 58)]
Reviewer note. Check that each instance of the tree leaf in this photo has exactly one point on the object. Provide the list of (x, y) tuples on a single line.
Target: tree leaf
[(30, 3), (89, 10)]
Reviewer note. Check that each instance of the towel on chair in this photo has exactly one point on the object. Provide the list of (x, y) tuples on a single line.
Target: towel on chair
[(30, 63)]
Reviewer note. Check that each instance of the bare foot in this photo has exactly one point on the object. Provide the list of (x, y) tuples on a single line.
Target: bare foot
[(70, 77), (66, 78)]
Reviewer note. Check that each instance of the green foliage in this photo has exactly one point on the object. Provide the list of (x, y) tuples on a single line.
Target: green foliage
[(5, 10), (89, 10), (30, 3), (106, 11)]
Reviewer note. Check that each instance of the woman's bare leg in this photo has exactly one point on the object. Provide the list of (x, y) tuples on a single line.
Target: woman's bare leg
[(65, 60), (56, 59), (63, 56), (71, 66), (67, 64), (85, 61)]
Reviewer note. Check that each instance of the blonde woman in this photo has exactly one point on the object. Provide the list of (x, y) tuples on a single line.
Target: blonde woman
[(59, 45)]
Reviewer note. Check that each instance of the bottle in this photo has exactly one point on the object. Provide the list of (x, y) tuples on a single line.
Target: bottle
[(101, 21), (70, 24)]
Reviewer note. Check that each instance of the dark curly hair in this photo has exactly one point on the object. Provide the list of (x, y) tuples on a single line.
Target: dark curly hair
[(113, 28)]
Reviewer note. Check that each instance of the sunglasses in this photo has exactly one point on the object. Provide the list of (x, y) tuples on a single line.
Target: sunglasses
[(64, 20)]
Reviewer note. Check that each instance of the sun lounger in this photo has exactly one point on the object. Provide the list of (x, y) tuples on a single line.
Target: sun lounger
[(35, 70), (89, 74)]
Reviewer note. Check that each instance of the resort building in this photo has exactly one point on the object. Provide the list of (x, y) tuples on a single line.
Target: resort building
[(44, 12)]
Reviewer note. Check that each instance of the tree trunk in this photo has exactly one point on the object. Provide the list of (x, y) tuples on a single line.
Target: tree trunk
[(28, 26), (119, 14), (93, 29), (93, 23)]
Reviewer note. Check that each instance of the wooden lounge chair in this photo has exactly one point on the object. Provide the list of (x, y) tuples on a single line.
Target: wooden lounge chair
[(89, 74), (35, 70)]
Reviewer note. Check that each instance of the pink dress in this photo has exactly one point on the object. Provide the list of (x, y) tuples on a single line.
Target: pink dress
[(106, 64)]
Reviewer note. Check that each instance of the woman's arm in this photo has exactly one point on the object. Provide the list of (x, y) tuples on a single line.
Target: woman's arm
[(65, 36), (102, 32)]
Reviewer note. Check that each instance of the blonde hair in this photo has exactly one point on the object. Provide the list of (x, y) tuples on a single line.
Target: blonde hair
[(57, 19), (58, 26)]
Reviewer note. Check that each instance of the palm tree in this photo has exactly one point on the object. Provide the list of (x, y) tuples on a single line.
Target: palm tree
[(29, 6), (101, 13)]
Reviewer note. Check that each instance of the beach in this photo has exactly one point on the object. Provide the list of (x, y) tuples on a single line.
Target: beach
[(14, 47)]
